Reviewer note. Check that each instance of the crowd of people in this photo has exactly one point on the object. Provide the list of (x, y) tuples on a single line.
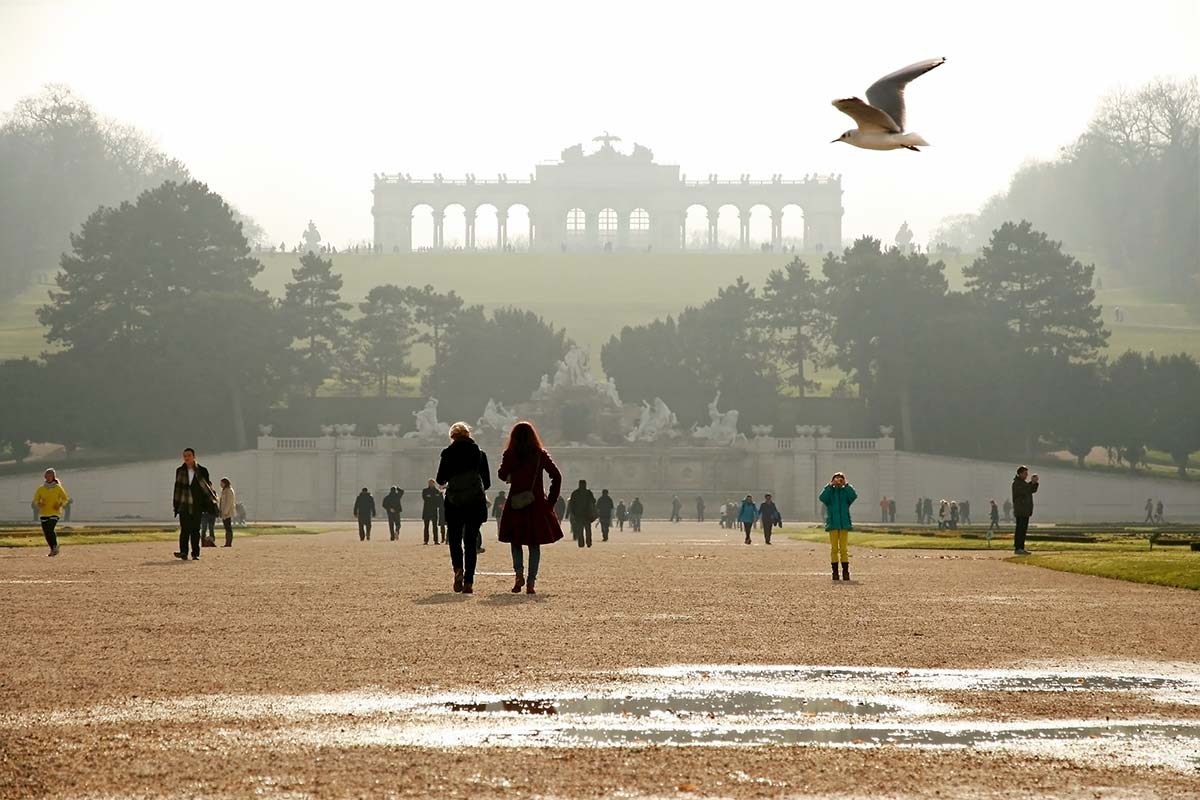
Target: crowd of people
[(455, 506)]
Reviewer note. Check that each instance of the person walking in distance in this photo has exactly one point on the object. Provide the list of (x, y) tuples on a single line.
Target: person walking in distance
[(1149, 511), (1024, 487), (636, 509), (928, 508), (883, 509), (560, 508), (676, 508), (464, 471), (747, 514), (964, 512), (392, 506), (49, 499), (364, 510), (430, 497), (1158, 512), (193, 496), (837, 497), (768, 514), (581, 513), (498, 509), (604, 513), (699, 508), (993, 520), (891, 509), (1007, 510), (226, 508), (528, 520), (622, 514), (920, 511)]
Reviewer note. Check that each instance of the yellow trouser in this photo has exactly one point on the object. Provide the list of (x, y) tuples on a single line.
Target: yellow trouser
[(837, 546)]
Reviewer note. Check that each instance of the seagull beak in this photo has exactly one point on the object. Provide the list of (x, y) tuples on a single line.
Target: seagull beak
[(835, 141)]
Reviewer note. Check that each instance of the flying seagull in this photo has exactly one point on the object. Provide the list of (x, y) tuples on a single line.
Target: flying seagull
[(881, 123)]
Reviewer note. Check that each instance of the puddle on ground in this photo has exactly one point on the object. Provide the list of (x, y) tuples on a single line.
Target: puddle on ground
[(701, 705), (682, 705)]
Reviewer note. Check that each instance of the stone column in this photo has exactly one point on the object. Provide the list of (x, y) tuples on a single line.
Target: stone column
[(501, 229), (713, 217), (622, 230), (592, 228), (469, 228), (744, 225), (439, 217)]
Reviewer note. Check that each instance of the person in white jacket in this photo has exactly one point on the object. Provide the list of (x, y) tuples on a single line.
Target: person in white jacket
[(226, 507)]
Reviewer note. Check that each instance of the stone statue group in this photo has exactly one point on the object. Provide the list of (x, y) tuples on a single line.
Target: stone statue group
[(656, 421)]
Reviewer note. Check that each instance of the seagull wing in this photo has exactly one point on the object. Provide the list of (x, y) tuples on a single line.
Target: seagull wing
[(869, 118), (887, 93)]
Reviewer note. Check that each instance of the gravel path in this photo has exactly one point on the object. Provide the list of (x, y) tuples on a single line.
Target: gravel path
[(107, 624)]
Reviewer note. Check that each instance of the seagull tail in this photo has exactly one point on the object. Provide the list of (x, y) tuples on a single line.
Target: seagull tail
[(914, 139)]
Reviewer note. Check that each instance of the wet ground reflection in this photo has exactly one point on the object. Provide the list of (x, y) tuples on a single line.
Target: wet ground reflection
[(679, 704)]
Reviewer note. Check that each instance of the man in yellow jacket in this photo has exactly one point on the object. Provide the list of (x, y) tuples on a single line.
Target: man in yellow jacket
[(49, 499)]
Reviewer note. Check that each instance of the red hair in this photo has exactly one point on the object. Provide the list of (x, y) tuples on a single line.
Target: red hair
[(523, 440)]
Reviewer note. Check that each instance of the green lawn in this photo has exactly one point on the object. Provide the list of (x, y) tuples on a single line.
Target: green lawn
[(1123, 557), (1177, 567), (32, 536)]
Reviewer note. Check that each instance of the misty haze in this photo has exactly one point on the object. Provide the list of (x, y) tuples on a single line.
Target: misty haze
[(437, 400)]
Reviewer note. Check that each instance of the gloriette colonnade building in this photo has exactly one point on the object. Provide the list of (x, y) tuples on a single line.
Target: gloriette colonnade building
[(607, 200)]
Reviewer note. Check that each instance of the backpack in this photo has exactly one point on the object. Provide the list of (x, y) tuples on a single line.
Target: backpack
[(465, 488)]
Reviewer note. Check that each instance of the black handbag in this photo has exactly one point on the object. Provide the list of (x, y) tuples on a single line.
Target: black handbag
[(525, 499)]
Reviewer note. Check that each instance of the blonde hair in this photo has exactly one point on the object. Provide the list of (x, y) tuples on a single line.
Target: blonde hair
[(460, 430)]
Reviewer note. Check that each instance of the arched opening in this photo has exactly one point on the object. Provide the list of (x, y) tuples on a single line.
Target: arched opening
[(729, 228), (576, 226), (422, 227), (486, 235), (793, 227), (639, 228), (695, 228), (454, 227), (760, 228), (607, 224), (518, 227)]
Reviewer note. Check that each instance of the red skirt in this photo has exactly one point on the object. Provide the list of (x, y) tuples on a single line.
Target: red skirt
[(534, 524)]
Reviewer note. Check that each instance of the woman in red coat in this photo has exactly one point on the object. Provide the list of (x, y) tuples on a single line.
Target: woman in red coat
[(528, 518)]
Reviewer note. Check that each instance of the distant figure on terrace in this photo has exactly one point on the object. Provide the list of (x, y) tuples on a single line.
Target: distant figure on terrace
[(676, 508), (1149, 510), (699, 508), (891, 509), (622, 515), (636, 509), (528, 519)]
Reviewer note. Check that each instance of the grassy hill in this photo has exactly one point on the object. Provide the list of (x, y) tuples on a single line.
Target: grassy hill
[(593, 295)]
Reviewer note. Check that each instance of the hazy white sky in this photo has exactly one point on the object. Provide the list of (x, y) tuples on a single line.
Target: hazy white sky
[(287, 108)]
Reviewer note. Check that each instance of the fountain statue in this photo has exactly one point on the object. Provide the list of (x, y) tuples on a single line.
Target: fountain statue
[(722, 427), (428, 427), (656, 422), (496, 418)]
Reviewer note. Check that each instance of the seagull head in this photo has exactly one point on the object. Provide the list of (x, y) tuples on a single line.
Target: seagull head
[(845, 137)]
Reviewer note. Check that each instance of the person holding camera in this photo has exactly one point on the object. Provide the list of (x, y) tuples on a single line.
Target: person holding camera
[(837, 497), (1024, 486)]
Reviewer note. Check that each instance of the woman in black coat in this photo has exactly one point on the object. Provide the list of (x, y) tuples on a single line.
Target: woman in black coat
[(463, 470)]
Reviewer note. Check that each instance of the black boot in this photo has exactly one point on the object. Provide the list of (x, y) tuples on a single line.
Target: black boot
[(845, 570), (835, 572)]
